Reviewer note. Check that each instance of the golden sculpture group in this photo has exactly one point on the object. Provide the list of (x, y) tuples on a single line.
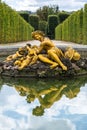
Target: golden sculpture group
[(29, 55)]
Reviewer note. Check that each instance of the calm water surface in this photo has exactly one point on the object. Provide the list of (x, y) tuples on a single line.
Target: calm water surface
[(43, 104)]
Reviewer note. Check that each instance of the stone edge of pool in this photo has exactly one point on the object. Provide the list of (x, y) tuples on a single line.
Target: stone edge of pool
[(8, 49)]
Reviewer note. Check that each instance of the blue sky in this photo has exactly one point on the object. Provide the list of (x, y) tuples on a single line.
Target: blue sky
[(33, 5)]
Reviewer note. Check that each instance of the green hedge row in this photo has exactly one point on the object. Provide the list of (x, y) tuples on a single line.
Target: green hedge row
[(52, 23), (74, 28), (25, 16), (13, 27), (58, 32), (85, 25), (34, 21), (43, 26)]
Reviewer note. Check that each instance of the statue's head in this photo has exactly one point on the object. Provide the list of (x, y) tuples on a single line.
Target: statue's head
[(38, 111), (38, 35)]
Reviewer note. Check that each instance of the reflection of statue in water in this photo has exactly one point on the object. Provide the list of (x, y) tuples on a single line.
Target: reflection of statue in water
[(47, 96), (50, 96), (28, 55), (48, 100)]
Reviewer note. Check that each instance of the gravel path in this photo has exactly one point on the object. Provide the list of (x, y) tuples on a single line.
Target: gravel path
[(35, 42), (7, 49)]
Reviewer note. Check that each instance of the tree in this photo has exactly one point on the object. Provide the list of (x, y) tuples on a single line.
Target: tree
[(62, 16), (47, 10)]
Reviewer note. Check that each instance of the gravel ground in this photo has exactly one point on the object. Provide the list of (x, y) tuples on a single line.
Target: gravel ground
[(35, 42)]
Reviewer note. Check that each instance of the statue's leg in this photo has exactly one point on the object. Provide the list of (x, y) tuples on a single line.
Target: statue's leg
[(24, 63), (56, 58), (34, 60), (47, 60)]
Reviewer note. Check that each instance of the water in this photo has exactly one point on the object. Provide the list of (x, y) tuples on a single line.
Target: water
[(43, 104)]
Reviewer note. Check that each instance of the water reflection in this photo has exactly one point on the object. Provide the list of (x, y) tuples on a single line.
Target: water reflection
[(46, 91)]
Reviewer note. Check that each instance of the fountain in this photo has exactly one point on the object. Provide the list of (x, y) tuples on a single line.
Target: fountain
[(45, 60)]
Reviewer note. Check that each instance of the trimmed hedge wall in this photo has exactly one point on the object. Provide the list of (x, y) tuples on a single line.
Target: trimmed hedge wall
[(62, 16), (58, 32), (13, 27), (52, 23), (74, 28), (85, 25), (80, 31), (34, 21), (25, 16), (43, 25)]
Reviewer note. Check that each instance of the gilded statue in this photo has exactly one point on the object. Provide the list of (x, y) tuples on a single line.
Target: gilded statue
[(29, 55)]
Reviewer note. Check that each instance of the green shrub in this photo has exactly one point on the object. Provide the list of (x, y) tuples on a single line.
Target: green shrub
[(43, 26), (63, 16), (25, 16), (52, 23), (34, 21)]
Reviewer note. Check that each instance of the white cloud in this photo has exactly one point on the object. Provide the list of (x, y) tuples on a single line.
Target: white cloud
[(63, 124), (33, 5), (6, 123)]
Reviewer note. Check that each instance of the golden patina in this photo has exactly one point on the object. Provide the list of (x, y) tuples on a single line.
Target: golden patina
[(29, 55)]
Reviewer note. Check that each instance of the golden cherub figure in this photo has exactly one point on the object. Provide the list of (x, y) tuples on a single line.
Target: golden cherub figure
[(72, 54)]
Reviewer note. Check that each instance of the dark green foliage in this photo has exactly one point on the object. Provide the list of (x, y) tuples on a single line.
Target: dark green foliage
[(34, 21), (62, 16), (45, 11), (25, 16), (52, 23), (85, 25), (13, 27), (43, 26)]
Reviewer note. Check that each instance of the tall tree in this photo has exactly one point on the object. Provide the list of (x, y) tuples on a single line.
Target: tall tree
[(47, 10)]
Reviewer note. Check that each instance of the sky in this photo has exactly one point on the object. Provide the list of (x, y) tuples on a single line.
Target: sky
[(33, 5)]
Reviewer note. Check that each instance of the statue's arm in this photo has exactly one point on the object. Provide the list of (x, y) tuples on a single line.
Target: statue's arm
[(47, 42)]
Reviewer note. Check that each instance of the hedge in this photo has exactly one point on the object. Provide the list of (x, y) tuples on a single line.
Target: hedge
[(25, 16), (13, 27), (34, 21), (52, 23), (74, 28), (85, 25), (58, 32), (80, 27), (43, 25)]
